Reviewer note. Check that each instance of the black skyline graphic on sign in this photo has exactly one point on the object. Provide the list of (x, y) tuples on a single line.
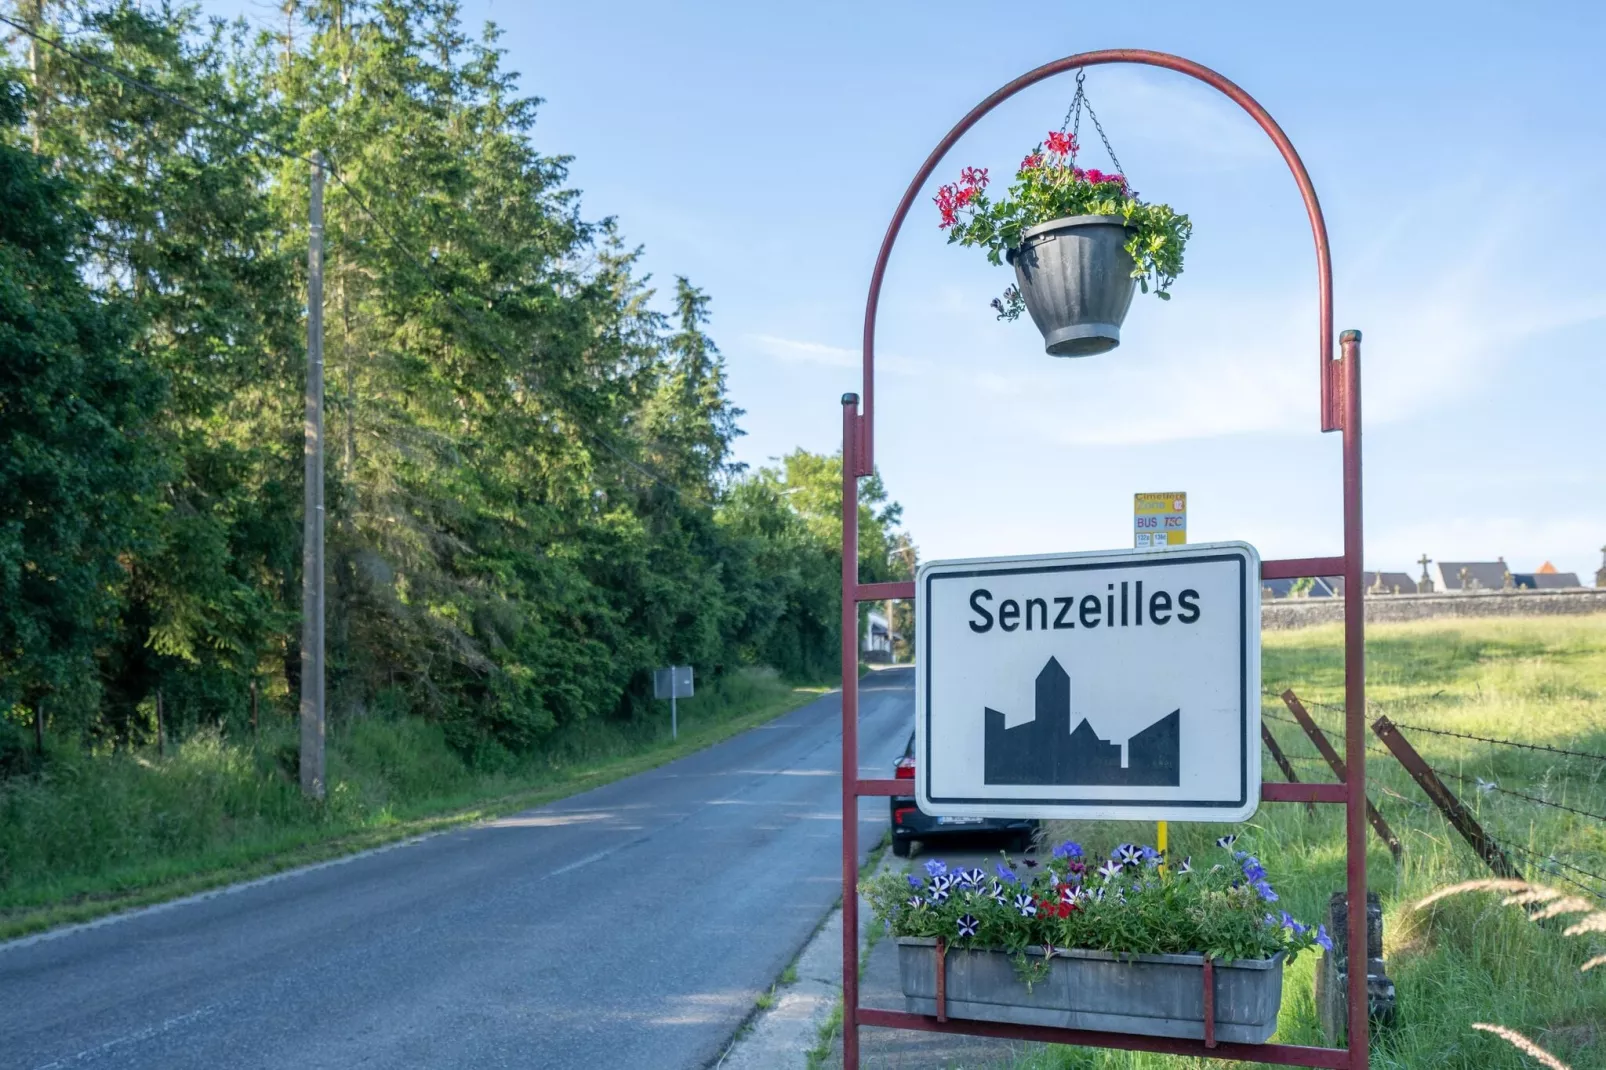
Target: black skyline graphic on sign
[(1045, 750)]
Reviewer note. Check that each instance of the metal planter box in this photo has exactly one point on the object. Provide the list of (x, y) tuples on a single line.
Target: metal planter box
[(1151, 995)]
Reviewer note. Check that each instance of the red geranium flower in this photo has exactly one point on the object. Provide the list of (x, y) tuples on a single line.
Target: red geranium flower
[(1034, 160), (1061, 143), (975, 177)]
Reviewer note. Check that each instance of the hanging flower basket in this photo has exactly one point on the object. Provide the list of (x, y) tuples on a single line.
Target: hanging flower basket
[(1075, 277), (1129, 946), (1080, 240)]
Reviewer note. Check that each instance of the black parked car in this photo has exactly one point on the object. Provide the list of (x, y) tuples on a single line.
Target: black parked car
[(909, 824)]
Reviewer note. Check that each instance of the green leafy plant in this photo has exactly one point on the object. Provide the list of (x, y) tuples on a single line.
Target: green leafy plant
[(1049, 185), (1129, 904)]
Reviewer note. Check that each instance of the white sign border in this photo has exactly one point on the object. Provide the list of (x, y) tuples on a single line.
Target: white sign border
[(1224, 812)]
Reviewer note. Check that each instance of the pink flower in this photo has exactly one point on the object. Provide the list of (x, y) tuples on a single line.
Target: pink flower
[(1034, 160), (975, 177), (1061, 143)]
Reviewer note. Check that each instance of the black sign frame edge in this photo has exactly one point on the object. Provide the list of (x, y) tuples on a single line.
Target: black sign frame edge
[(1238, 557)]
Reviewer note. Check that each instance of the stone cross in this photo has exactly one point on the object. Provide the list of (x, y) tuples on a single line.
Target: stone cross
[(1425, 584)]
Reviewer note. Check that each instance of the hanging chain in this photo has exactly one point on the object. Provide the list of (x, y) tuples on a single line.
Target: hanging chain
[(1073, 119)]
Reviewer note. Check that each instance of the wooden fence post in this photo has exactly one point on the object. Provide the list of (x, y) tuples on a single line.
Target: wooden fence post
[(1318, 737), (1445, 800), (1282, 761)]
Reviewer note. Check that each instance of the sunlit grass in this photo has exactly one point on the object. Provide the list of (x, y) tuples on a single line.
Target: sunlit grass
[(101, 833), (1464, 960)]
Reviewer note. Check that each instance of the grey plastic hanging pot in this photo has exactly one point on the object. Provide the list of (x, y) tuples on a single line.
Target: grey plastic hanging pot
[(1075, 277)]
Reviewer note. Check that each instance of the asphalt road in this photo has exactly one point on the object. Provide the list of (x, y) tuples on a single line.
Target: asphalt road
[(631, 926)]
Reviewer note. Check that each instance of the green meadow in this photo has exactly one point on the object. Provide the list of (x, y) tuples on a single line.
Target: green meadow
[(1468, 958)]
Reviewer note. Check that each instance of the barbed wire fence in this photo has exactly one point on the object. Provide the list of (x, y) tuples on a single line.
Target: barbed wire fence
[(1505, 854)]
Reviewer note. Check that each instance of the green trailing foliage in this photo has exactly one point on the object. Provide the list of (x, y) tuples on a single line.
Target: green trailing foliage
[(532, 500), (1049, 185)]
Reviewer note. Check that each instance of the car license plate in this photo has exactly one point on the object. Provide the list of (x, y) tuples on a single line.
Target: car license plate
[(959, 821)]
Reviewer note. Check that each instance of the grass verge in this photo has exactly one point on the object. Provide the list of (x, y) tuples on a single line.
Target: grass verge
[(96, 835), (1466, 959)]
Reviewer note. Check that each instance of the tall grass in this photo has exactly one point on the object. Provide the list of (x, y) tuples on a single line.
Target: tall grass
[(1467, 959), (98, 831)]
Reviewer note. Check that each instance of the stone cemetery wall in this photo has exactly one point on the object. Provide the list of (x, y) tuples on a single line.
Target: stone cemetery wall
[(1277, 614)]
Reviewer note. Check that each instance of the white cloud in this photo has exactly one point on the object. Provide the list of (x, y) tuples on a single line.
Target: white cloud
[(1192, 123), (802, 351)]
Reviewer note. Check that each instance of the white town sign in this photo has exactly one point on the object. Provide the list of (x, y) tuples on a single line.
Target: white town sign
[(1116, 685)]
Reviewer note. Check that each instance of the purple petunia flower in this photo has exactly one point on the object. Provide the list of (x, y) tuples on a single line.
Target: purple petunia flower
[(936, 868), (1253, 870), (1323, 939), (915, 902), (937, 896), (1263, 887), (1006, 874), (914, 881), (1026, 905), (968, 925), (1186, 865), (1226, 842), (975, 878), (1129, 854), (1068, 849), (1109, 869)]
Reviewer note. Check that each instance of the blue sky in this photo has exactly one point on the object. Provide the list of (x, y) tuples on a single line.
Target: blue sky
[(759, 149)]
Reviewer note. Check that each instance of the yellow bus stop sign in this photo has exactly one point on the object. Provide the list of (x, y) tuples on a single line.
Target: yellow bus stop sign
[(1160, 519)]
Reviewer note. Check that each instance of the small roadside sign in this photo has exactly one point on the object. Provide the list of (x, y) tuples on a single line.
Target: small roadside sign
[(672, 683), (1116, 685), (1160, 519)]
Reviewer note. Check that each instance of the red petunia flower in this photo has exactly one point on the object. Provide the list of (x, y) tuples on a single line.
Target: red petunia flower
[(1061, 143)]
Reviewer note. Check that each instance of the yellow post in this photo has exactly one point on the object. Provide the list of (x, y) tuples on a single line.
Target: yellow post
[(1159, 840)]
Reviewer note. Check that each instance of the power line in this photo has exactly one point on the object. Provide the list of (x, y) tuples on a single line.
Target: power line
[(289, 153)]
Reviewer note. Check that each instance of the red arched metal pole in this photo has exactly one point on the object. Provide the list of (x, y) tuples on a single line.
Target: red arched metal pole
[(1318, 226), (1340, 386)]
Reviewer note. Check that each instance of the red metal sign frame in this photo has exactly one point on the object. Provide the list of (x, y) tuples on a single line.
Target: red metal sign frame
[(1339, 381)]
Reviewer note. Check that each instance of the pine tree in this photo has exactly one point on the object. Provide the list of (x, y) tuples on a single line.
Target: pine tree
[(76, 468)]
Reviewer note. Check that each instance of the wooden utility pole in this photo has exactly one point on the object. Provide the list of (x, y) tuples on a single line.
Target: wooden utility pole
[(312, 710)]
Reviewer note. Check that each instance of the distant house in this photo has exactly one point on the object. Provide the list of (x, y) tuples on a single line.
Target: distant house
[(877, 638), (1545, 581), (1389, 583), (1471, 575)]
